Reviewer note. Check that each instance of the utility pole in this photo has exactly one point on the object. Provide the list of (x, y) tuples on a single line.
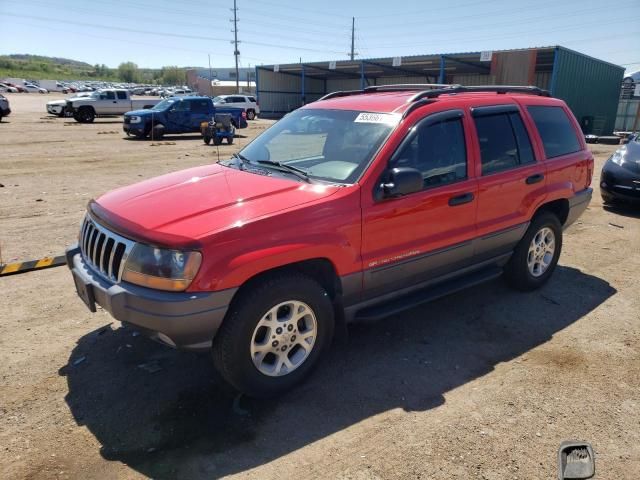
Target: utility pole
[(353, 37), (236, 52), (210, 78)]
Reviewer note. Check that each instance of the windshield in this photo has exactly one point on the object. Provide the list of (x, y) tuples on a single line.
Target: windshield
[(164, 104), (334, 145), (218, 99)]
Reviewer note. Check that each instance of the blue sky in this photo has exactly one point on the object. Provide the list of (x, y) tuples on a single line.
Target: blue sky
[(153, 33)]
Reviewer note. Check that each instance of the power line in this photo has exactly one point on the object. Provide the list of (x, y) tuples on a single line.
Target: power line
[(170, 34)]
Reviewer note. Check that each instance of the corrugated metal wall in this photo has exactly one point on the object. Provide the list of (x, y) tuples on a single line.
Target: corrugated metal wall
[(627, 112), (280, 93), (590, 87), (474, 79)]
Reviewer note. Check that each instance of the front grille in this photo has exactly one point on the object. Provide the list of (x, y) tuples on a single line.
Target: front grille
[(127, 120), (105, 251)]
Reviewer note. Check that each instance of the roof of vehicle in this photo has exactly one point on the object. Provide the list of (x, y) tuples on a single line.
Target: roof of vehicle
[(400, 100), (190, 97)]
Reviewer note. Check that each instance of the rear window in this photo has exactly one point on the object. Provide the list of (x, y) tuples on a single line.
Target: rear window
[(556, 130)]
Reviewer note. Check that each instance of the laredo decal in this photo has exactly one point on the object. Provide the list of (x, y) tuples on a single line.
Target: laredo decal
[(384, 261)]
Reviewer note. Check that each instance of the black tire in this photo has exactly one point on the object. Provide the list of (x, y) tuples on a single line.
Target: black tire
[(142, 135), (230, 140), (232, 344), (608, 199), (157, 132), (217, 140), (517, 271), (62, 112), (207, 139), (251, 114), (85, 115)]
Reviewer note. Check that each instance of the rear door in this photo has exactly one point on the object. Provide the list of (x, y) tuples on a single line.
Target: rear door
[(510, 178), (200, 112), (411, 239), (568, 161), (123, 102)]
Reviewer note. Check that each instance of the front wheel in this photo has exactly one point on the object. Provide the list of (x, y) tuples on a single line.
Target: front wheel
[(274, 334), (536, 255)]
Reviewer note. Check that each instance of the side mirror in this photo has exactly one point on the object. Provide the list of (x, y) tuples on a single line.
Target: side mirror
[(402, 181)]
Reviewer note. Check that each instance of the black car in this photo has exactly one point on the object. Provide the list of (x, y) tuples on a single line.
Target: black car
[(620, 178)]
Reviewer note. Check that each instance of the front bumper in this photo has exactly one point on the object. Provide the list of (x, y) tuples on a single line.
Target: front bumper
[(5, 111), (179, 319), (55, 109), (619, 183), (133, 128)]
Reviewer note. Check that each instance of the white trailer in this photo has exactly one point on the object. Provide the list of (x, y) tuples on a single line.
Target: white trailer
[(51, 85)]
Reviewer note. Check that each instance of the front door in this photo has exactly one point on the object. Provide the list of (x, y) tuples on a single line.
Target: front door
[(426, 234)]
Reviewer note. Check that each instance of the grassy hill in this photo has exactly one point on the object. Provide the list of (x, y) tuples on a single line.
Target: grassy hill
[(35, 67)]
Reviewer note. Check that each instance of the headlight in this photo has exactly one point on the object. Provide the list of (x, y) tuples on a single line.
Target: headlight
[(161, 269), (135, 119), (618, 156)]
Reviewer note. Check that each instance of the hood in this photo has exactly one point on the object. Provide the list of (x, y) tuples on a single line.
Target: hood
[(182, 208), (139, 113), (58, 102)]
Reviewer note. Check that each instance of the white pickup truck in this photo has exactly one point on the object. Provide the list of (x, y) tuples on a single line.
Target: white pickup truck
[(108, 101)]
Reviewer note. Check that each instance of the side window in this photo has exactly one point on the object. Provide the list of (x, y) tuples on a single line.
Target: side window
[(111, 95), (182, 106), (122, 95), (437, 150), (199, 106), (504, 142), (555, 128), (252, 99)]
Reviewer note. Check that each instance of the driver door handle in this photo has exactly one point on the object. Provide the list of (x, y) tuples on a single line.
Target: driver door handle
[(538, 177), (461, 199)]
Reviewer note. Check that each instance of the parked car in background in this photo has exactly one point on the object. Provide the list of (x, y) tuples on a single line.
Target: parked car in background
[(105, 102), (29, 87), (248, 102), (20, 88), (176, 115), (8, 88), (620, 177), (357, 206), (5, 110)]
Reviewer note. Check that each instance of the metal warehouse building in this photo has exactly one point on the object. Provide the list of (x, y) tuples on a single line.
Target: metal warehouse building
[(591, 87)]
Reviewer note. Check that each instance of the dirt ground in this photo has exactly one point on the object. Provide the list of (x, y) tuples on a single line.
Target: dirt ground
[(482, 384)]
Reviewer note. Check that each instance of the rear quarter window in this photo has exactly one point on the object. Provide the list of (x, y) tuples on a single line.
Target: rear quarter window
[(555, 129)]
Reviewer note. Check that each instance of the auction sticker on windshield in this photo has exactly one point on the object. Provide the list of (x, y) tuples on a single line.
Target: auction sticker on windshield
[(386, 118)]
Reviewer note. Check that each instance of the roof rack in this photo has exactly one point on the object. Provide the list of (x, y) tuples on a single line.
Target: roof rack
[(407, 86), (434, 90), (500, 89), (396, 87)]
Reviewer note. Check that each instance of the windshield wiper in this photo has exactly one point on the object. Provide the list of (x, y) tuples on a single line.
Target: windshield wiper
[(298, 172), (240, 156)]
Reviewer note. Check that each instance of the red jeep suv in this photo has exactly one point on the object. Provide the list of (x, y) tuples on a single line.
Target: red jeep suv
[(353, 207)]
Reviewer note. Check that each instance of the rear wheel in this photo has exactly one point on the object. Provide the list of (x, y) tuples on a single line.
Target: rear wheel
[(536, 255), (274, 334), (230, 140), (251, 114), (207, 139)]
